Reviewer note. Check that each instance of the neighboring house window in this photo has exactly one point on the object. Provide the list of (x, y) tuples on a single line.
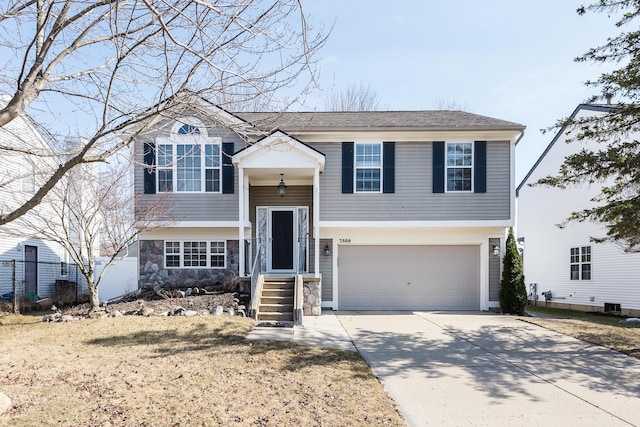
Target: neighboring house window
[(64, 268), (580, 263), (190, 254), (28, 181), (459, 166), (368, 167), (188, 167)]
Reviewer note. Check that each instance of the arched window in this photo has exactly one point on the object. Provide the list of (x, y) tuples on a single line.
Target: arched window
[(189, 161), (189, 130)]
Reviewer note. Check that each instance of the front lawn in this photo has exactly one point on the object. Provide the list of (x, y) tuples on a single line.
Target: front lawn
[(595, 328), (169, 371)]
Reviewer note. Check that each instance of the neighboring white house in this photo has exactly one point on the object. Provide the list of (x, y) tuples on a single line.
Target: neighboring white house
[(31, 265), (564, 264)]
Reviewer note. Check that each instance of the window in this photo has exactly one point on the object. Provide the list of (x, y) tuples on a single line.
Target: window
[(188, 162), (195, 254), (368, 167), (459, 166), (217, 255), (189, 129), (191, 254), (28, 181), (580, 263), (172, 254)]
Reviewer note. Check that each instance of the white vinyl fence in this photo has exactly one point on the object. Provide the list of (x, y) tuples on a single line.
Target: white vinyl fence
[(120, 278)]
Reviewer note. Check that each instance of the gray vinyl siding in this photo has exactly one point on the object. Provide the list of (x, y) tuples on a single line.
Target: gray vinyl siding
[(413, 199), (326, 269), (191, 206), (494, 271)]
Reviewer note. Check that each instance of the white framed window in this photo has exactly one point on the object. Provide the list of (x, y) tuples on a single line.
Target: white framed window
[(580, 263), (189, 161), (459, 166), (368, 167), (172, 254), (28, 180), (217, 254), (195, 254)]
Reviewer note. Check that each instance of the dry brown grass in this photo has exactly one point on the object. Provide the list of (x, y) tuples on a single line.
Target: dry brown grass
[(137, 371), (606, 331)]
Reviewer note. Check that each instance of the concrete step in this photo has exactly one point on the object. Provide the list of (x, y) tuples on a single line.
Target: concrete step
[(275, 317), (271, 308), (276, 299)]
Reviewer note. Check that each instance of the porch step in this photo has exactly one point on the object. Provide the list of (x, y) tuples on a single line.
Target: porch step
[(276, 302)]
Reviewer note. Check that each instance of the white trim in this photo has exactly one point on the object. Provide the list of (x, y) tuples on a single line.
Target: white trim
[(416, 224), (194, 224)]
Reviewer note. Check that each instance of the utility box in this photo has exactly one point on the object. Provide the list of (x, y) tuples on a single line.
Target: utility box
[(65, 292)]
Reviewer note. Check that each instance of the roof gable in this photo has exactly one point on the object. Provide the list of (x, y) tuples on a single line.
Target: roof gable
[(279, 148), (558, 135)]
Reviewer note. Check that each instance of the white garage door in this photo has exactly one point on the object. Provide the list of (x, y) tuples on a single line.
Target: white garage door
[(409, 278)]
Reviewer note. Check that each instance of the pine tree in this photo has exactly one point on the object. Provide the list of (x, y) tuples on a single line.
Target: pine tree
[(615, 164), (513, 293)]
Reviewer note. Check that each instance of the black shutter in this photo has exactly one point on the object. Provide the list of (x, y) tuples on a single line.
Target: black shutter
[(149, 169), (388, 167), (347, 167), (438, 166), (480, 167), (227, 168)]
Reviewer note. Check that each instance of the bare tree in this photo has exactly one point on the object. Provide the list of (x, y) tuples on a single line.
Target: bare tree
[(110, 69), (441, 104), (91, 213), (357, 97)]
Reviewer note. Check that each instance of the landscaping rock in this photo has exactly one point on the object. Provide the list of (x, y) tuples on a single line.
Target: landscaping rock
[(5, 403), (218, 311)]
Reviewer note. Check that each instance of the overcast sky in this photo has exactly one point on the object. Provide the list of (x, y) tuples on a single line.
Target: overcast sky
[(506, 59)]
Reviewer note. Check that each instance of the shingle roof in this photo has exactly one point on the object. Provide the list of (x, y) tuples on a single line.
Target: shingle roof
[(325, 121)]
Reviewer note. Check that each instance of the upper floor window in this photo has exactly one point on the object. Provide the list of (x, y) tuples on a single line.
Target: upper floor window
[(459, 166), (189, 162), (188, 129), (368, 167), (580, 263)]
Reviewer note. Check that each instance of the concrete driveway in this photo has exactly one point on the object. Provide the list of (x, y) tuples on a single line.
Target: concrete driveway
[(484, 369)]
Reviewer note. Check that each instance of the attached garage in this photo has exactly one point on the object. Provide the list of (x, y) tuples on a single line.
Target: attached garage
[(409, 278)]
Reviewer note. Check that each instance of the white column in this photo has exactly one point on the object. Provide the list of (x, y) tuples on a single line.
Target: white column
[(241, 222), (316, 220)]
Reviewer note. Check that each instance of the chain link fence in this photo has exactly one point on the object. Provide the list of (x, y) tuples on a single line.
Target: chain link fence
[(31, 285)]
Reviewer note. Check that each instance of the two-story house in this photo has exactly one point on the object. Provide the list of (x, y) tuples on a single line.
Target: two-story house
[(30, 264), (394, 210), (564, 263)]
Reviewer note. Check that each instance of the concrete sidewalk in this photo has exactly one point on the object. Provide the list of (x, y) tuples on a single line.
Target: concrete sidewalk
[(485, 369), (322, 331)]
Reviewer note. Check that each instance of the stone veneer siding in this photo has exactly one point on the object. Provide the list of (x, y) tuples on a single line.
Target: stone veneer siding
[(152, 270), (312, 298)]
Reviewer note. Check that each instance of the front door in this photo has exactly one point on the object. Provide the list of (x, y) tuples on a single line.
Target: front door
[(31, 269), (282, 239)]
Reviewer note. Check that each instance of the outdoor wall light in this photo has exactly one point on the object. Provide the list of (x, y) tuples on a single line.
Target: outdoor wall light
[(327, 250), (282, 188), (496, 250)]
